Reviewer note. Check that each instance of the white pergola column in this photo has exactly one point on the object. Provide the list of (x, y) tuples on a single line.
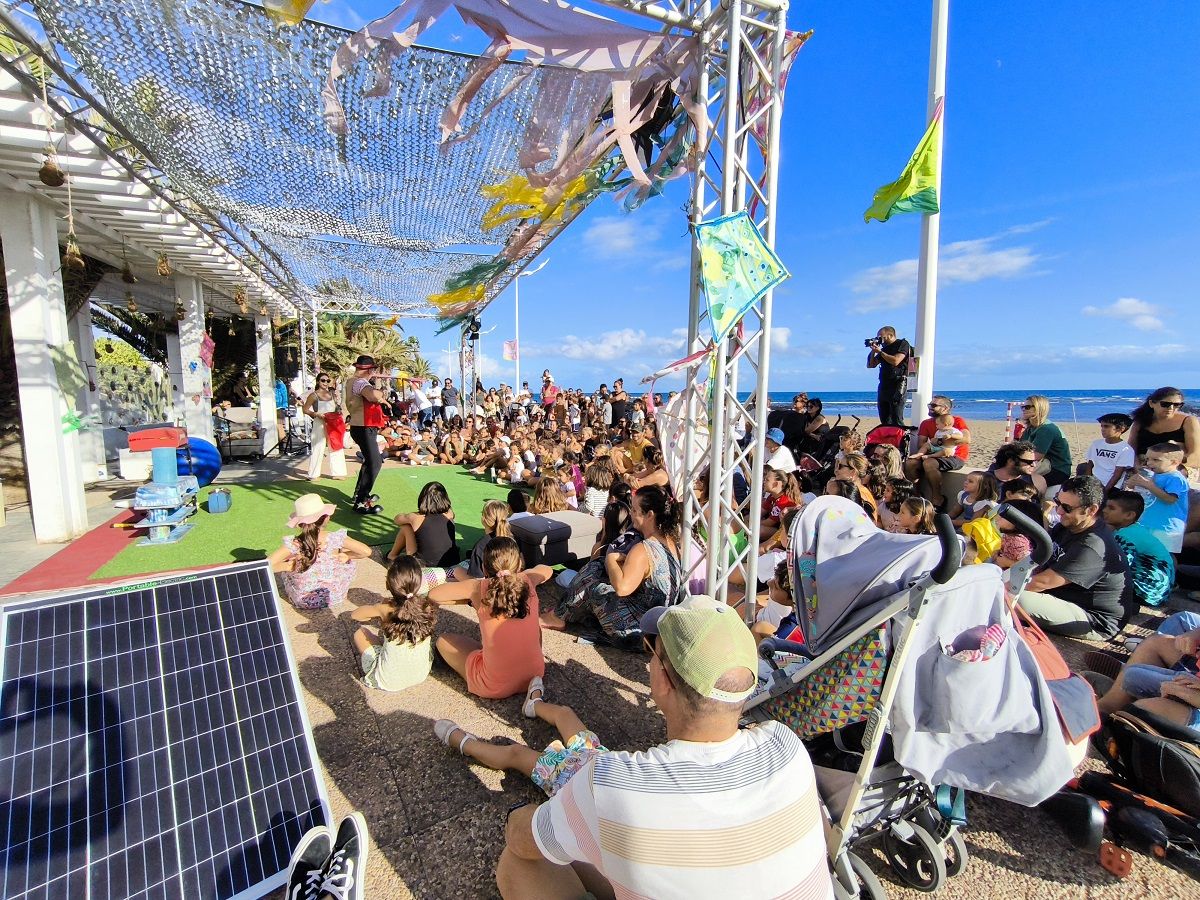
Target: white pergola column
[(266, 380), (91, 438), (53, 461), (175, 374), (195, 381)]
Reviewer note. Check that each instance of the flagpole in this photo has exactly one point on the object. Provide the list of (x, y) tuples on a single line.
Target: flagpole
[(517, 333), (931, 224)]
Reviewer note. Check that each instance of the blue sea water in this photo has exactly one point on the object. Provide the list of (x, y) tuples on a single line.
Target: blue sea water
[(1065, 405)]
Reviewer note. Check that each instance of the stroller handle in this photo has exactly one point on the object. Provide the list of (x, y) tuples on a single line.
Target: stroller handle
[(951, 549), (1042, 545), (770, 645)]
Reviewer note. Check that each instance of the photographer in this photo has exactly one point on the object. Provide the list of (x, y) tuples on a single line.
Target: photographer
[(890, 354)]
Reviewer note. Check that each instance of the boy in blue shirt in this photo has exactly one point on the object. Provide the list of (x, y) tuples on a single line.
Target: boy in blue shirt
[(1165, 492), (1151, 568)]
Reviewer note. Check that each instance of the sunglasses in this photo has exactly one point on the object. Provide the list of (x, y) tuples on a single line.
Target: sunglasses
[(650, 646), (1027, 462), (1167, 404), (1065, 507), (1026, 406)]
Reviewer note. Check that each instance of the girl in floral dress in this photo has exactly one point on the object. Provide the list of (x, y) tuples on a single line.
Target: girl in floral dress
[(316, 566)]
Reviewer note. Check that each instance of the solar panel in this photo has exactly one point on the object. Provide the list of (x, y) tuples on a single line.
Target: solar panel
[(153, 742)]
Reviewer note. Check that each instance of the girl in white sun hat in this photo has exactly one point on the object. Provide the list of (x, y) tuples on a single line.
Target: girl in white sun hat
[(316, 565)]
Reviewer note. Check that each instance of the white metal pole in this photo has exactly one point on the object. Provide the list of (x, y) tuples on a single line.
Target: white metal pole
[(517, 332), (927, 265)]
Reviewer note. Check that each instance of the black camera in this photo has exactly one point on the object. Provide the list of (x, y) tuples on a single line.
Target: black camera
[(872, 342)]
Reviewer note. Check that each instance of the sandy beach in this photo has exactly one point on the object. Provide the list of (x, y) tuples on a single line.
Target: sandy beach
[(987, 437)]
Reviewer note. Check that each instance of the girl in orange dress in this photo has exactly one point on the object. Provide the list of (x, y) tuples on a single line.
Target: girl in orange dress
[(509, 654)]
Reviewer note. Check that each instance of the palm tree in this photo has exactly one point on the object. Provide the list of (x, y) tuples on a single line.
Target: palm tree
[(341, 338)]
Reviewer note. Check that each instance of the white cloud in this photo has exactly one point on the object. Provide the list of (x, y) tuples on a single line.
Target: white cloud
[(611, 345), (962, 262), (780, 336), (611, 237), (1138, 313)]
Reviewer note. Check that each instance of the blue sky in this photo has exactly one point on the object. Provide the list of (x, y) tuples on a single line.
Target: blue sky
[(1070, 241)]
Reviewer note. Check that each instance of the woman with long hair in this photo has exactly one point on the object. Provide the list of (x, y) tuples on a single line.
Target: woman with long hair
[(1050, 446), (1161, 420), (648, 575), (316, 565), (324, 407), (547, 497), (652, 471)]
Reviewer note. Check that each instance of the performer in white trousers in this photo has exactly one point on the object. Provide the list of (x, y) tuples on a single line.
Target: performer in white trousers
[(328, 429)]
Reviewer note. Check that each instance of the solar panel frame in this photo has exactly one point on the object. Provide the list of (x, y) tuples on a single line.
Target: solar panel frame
[(207, 757)]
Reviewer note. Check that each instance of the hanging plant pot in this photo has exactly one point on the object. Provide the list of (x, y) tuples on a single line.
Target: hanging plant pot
[(263, 311), (51, 173), (164, 266), (180, 312), (127, 275), (73, 256), (130, 303)]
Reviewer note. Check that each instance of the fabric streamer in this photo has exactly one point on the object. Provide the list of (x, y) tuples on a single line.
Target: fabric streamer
[(736, 268), (916, 188)]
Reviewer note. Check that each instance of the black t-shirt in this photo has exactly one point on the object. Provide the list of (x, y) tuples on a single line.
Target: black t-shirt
[(889, 374), (1095, 567), (620, 410), (793, 424)]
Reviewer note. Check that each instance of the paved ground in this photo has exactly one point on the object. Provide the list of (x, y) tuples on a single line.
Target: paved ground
[(436, 822)]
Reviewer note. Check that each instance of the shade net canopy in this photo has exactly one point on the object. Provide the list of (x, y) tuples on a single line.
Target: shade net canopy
[(227, 102)]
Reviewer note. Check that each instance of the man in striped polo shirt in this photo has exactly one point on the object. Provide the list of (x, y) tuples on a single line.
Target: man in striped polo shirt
[(714, 812)]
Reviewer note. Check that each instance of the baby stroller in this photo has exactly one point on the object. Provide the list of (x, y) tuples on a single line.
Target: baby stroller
[(816, 468), (898, 436), (890, 609)]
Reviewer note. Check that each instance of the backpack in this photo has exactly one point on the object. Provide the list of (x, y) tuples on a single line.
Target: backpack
[(1154, 756)]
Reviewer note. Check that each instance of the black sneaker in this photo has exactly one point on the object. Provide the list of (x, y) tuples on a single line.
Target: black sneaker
[(309, 861), (344, 873), (368, 509), (374, 498)]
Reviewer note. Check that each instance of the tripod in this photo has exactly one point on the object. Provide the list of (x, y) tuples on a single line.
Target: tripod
[(293, 442)]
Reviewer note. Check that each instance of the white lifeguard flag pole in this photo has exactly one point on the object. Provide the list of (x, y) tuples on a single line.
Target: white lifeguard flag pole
[(927, 264)]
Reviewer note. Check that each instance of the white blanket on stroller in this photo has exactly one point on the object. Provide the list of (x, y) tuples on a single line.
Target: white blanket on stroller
[(988, 726)]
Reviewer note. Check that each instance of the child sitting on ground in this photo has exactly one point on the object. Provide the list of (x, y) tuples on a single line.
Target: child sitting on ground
[(1165, 492), (980, 492), (402, 652), (916, 516), (494, 520), (1151, 567), (509, 652), (316, 566), (895, 491), (1110, 458), (549, 769), (1015, 546)]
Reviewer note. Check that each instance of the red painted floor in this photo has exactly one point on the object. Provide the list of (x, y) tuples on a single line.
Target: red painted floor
[(71, 566)]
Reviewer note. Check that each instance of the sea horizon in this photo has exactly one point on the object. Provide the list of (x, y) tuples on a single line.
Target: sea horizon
[(1066, 405)]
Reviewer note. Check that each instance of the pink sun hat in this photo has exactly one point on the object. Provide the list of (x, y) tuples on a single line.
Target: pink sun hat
[(308, 509)]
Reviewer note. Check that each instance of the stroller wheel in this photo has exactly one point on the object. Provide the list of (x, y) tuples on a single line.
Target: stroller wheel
[(917, 860), (955, 851), (867, 885)]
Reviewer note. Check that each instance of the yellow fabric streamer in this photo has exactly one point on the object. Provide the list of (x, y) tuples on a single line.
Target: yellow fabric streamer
[(528, 202), (472, 293), (291, 12)]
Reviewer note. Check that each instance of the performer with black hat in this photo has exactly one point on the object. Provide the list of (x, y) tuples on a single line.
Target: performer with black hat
[(364, 404)]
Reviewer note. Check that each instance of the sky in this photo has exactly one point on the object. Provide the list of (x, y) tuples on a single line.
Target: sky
[(1070, 245)]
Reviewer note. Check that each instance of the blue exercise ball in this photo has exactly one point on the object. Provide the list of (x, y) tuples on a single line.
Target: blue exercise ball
[(205, 463)]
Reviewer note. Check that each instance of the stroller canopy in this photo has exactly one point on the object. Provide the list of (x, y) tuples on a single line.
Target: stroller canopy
[(845, 569)]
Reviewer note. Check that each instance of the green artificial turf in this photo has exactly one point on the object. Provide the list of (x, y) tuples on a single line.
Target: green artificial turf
[(257, 518)]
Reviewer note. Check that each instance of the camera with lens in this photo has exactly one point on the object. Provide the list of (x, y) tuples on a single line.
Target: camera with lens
[(873, 342)]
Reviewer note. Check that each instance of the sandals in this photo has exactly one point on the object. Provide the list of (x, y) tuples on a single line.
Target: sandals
[(535, 686), (443, 728)]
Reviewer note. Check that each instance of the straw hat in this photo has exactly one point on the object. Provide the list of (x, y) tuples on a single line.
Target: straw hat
[(308, 509)]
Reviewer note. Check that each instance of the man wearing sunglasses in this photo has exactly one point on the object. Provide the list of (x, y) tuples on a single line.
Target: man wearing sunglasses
[(1082, 591), (1015, 462), (713, 812)]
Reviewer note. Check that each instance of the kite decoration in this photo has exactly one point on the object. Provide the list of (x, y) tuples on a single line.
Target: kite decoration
[(736, 269), (510, 351)]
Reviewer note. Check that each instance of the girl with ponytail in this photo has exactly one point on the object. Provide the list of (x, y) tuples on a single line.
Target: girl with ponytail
[(401, 654), (508, 657), (648, 575)]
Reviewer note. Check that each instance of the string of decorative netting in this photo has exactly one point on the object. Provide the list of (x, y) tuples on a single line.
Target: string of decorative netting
[(227, 102)]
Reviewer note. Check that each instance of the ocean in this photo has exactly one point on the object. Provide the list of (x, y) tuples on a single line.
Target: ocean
[(992, 406)]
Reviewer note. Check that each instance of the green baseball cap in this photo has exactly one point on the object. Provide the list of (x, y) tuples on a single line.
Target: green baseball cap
[(703, 640)]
